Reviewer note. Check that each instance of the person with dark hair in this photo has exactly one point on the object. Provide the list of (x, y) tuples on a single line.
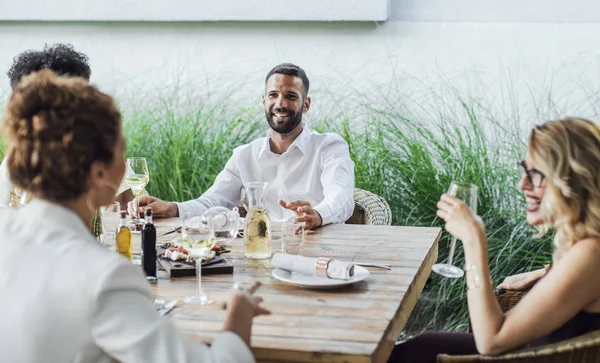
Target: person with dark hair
[(65, 298), (310, 175), (63, 60)]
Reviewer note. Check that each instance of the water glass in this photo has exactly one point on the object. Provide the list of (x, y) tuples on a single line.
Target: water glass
[(292, 237), (110, 223)]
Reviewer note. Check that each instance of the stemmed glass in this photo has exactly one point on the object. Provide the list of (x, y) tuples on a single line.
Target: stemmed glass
[(137, 178), (468, 193), (200, 298), (201, 228)]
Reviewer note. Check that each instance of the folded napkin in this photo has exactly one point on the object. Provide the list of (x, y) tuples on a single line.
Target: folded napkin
[(336, 269)]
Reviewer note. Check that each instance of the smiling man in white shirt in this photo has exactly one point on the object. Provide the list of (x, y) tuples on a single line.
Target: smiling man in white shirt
[(310, 175)]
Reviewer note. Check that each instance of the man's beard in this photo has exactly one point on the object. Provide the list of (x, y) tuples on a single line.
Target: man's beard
[(287, 127)]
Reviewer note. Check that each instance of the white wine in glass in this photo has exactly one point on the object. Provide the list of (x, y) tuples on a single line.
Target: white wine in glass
[(137, 178), (467, 193)]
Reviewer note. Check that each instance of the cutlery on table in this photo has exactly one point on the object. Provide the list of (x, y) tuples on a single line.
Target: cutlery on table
[(178, 229), (377, 265), (168, 307)]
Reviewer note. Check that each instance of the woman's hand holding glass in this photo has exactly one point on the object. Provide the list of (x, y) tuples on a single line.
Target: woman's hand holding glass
[(460, 220)]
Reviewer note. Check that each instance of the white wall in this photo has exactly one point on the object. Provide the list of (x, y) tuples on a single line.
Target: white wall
[(195, 10), (509, 54)]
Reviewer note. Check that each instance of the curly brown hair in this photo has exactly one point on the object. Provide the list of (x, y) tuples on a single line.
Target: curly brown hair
[(56, 128)]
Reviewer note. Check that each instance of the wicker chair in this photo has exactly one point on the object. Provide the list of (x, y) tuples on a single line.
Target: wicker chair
[(584, 348), (369, 208)]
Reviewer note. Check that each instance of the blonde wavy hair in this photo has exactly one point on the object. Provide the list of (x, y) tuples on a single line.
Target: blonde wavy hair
[(567, 152)]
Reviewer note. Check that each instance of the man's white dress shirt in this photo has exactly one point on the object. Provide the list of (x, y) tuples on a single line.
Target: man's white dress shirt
[(66, 298), (315, 168)]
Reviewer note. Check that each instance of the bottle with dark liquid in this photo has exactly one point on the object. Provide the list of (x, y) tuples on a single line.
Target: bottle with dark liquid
[(149, 247)]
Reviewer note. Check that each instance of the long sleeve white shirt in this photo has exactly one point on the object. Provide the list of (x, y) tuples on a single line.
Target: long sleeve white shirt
[(6, 186), (315, 168), (65, 298)]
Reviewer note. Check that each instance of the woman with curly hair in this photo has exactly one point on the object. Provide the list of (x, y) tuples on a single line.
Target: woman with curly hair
[(65, 298), (561, 182), (64, 60)]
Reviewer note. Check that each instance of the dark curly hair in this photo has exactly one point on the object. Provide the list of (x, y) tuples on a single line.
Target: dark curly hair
[(61, 58), (290, 69), (57, 127)]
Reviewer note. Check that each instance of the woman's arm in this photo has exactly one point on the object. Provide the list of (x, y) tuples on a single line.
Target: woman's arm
[(522, 281), (125, 325), (568, 288)]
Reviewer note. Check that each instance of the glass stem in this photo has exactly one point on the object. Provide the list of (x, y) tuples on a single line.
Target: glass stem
[(137, 205), (182, 233), (451, 253), (199, 275)]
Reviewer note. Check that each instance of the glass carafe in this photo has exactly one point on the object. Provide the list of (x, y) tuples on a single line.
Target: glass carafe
[(225, 223), (257, 230)]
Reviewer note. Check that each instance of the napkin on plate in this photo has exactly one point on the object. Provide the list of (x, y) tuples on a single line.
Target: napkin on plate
[(336, 269)]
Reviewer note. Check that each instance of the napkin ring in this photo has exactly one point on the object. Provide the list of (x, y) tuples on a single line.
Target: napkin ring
[(322, 264)]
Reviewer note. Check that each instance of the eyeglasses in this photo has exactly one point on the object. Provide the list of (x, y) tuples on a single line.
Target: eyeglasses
[(535, 177)]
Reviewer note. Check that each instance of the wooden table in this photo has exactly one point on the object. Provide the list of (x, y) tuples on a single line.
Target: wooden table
[(357, 323)]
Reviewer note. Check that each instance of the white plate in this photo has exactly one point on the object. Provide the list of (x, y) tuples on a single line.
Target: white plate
[(298, 279)]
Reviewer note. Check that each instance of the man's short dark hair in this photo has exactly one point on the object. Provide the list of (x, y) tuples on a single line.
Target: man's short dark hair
[(290, 69), (60, 58)]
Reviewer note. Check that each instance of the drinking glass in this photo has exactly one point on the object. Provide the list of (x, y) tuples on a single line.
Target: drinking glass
[(137, 178), (292, 237), (110, 223), (467, 193), (183, 232), (200, 298)]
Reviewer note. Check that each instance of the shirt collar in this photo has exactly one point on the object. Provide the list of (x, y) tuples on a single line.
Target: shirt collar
[(301, 141)]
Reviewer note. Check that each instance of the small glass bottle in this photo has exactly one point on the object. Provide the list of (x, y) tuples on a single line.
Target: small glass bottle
[(149, 247), (124, 246)]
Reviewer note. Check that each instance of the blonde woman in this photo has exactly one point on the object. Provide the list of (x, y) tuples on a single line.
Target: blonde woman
[(65, 298), (561, 181)]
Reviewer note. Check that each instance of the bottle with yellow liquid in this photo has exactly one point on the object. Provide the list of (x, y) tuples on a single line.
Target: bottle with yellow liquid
[(257, 231), (124, 237)]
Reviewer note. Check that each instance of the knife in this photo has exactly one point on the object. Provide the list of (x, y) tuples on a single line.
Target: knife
[(378, 265), (178, 229), (168, 307)]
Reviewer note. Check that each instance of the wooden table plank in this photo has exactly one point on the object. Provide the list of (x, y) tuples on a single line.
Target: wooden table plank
[(357, 323)]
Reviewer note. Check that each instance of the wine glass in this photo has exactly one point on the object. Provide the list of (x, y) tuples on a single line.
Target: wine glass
[(468, 193), (200, 298), (137, 178)]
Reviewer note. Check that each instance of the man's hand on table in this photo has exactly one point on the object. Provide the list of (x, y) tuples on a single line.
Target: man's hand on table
[(304, 212), (160, 208)]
